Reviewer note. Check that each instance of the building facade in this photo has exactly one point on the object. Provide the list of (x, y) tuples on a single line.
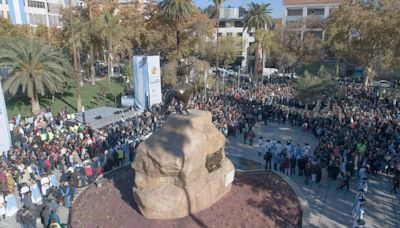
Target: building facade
[(34, 12), (231, 24), (46, 12), (306, 16)]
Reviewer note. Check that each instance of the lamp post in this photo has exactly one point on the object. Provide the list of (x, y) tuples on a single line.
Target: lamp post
[(205, 83), (238, 77), (83, 115)]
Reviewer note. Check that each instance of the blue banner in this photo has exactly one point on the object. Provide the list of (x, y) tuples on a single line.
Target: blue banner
[(140, 80)]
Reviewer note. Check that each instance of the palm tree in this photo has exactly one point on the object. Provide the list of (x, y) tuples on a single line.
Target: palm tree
[(258, 17), (71, 30), (176, 11), (92, 35), (265, 40), (217, 4), (34, 69), (110, 29)]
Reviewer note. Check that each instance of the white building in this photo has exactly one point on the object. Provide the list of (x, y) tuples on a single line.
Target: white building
[(31, 12), (305, 15), (35, 12), (231, 24)]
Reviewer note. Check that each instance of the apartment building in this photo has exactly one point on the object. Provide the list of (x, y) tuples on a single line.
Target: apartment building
[(231, 24), (306, 16), (35, 12)]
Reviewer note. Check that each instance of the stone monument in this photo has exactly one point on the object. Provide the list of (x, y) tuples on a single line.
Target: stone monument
[(181, 168)]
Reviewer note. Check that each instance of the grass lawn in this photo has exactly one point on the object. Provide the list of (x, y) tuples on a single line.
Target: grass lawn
[(21, 104)]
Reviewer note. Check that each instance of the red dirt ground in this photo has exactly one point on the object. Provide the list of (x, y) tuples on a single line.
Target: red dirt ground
[(257, 199)]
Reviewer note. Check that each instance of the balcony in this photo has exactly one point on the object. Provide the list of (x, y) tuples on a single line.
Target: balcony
[(294, 24), (294, 18), (314, 21)]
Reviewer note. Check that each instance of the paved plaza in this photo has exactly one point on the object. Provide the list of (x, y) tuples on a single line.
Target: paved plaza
[(328, 207)]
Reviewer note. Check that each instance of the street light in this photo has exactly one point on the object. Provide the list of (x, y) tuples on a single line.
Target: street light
[(205, 83)]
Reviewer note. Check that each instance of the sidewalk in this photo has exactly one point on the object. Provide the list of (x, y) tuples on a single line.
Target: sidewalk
[(329, 207)]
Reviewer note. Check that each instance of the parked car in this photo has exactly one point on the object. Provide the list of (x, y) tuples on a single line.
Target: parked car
[(382, 84), (270, 71), (231, 72)]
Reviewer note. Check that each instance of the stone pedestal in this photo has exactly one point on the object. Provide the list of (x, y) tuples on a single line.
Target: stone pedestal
[(181, 168)]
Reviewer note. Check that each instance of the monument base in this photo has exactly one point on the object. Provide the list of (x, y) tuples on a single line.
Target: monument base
[(182, 168)]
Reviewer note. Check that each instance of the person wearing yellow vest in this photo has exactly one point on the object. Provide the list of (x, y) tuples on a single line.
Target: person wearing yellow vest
[(51, 135), (120, 155), (43, 136)]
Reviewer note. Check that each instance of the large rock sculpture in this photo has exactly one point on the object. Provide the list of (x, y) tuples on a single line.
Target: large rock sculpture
[(181, 168)]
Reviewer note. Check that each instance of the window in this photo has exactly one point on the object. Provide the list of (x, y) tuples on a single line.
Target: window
[(238, 24), (315, 11), (222, 24), (251, 34), (36, 4), (294, 12), (55, 21), (37, 19), (53, 8)]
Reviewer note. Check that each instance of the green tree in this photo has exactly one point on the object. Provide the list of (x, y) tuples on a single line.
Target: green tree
[(312, 87), (89, 14), (74, 41), (34, 69), (42, 33), (230, 46), (266, 41), (258, 17), (176, 12), (366, 33), (110, 29), (294, 51)]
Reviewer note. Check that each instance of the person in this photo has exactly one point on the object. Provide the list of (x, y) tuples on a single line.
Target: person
[(2, 207), (298, 151), (54, 217), (293, 165), (250, 137), (66, 193), (89, 172), (314, 171), (131, 149), (120, 156), (346, 182), (260, 145), (301, 163), (27, 200), (285, 165), (396, 184), (54, 224), (307, 172), (268, 158), (306, 150), (72, 183), (45, 215)]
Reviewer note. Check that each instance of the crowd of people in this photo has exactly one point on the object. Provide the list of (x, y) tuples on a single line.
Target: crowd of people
[(52, 157)]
